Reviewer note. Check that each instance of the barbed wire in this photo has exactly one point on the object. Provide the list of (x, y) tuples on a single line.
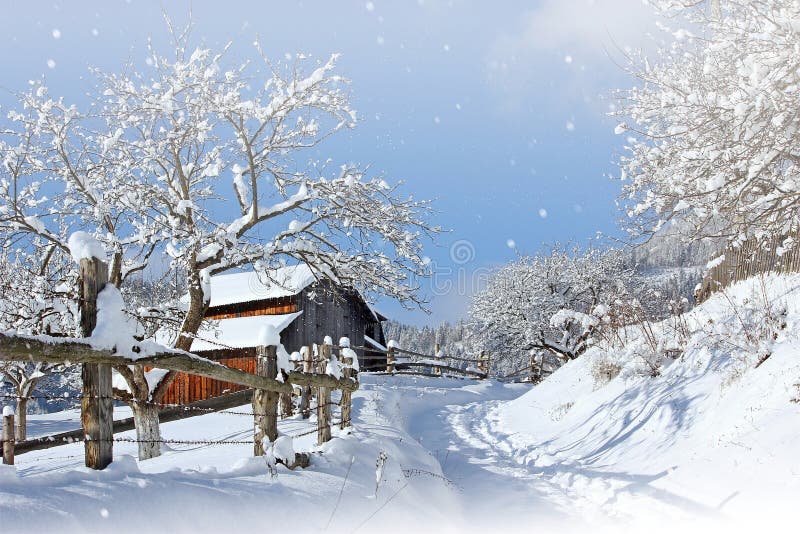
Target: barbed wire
[(48, 458), (172, 441)]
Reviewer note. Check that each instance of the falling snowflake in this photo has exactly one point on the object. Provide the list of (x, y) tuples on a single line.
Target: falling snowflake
[(56, 33), (542, 213), (51, 63)]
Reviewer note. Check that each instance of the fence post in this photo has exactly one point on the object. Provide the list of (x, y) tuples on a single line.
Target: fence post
[(436, 369), (305, 391), (8, 436), (324, 398), (390, 357), (265, 403), (347, 372), (287, 407), (97, 405)]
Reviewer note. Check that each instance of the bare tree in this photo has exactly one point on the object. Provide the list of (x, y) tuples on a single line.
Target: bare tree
[(206, 162)]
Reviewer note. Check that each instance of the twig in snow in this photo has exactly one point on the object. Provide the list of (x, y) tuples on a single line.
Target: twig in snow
[(341, 491), (373, 514)]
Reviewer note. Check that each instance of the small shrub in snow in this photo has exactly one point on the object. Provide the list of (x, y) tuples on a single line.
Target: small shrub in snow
[(604, 370)]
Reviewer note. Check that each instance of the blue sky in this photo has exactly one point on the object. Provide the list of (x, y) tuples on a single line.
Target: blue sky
[(496, 110)]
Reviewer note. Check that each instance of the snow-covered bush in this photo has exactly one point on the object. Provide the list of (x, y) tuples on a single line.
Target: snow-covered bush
[(752, 325), (551, 304), (604, 370)]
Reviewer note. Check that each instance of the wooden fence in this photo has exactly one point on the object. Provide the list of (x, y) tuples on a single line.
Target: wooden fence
[(751, 258), (97, 398), (432, 365)]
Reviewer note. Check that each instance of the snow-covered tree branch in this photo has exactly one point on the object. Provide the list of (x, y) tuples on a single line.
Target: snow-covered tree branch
[(712, 126), (548, 305), (35, 298)]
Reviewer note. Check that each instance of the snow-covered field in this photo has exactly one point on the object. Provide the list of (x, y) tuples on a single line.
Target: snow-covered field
[(711, 443)]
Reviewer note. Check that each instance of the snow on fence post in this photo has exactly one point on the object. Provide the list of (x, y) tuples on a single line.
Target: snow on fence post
[(346, 358), (265, 403), (97, 405), (436, 357), (305, 395), (390, 356), (8, 435), (324, 396)]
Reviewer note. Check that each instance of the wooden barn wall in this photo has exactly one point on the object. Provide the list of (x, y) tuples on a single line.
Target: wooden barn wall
[(328, 314), (190, 388), (251, 309)]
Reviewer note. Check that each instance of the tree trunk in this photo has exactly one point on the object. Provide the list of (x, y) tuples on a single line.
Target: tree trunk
[(22, 418), (148, 432), (198, 305)]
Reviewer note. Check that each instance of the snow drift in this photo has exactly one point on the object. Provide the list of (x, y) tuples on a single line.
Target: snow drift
[(713, 435)]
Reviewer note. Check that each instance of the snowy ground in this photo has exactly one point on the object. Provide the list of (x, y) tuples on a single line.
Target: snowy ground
[(710, 444)]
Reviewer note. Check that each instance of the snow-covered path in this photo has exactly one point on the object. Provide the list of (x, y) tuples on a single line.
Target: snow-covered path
[(448, 418)]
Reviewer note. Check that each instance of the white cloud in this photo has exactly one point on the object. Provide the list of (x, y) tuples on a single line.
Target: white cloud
[(581, 27), (578, 34)]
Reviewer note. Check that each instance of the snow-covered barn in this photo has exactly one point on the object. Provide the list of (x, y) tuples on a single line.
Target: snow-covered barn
[(301, 307)]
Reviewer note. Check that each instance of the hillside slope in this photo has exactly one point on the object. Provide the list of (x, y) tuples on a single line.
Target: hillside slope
[(715, 435)]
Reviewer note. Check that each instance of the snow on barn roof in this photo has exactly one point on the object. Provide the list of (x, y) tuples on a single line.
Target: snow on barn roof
[(239, 332), (250, 286)]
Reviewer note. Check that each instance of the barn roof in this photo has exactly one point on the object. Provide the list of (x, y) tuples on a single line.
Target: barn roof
[(239, 332), (249, 286)]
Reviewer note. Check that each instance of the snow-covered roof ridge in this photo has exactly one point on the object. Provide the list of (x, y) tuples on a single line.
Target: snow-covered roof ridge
[(250, 286)]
